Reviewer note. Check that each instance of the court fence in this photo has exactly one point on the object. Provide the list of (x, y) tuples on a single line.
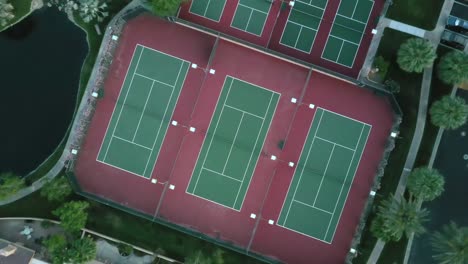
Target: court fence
[(95, 87)]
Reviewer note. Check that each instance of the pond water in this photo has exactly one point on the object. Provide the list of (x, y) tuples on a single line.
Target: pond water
[(452, 204), (40, 64)]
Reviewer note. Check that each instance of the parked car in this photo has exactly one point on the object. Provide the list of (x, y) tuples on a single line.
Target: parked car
[(457, 22)]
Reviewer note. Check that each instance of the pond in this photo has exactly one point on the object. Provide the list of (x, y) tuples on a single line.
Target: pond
[(40, 65)]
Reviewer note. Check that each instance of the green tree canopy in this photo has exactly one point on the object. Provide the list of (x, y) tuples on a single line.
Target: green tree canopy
[(450, 245), (73, 215), (200, 257), (77, 251), (57, 189), (453, 68), (93, 10), (56, 246), (416, 54), (88, 10), (166, 7), (398, 218), (448, 112), (425, 184), (10, 184), (81, 250)]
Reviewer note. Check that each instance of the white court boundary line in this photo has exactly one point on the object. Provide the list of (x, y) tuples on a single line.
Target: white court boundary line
[(302, 171), (115, 106), (221, 174), (360, 41), (312, 206), (251, 13), (316, 30), (165, 112), (342, 186), (133, 143), (214, 132), (346, 177), (206, 9), (233, 141), (259, 154), (243, 112), (351, 183), (228, 77), (143, 112), (123, 104), (323, 175), (258, 86)]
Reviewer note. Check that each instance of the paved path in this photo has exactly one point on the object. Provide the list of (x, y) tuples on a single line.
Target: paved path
[(415, 31), (434, 37), (106, 252), (37, 184)]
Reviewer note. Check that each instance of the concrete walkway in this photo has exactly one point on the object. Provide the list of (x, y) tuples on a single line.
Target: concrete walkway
[(434, 37), (39, 183), (415, 31), (106, 249)]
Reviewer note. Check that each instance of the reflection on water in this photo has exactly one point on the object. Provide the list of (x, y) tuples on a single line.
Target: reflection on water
[(40, 64)]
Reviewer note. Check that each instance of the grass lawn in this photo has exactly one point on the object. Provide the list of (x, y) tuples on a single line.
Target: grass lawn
[(418, 13), (408, 99), (22, 8)]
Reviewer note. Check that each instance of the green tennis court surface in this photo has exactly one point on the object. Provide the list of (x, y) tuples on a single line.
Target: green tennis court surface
[(143, 111), (323, 177), (211, 9), (347, 31), (233, 143), (251, 16), (303, 23)]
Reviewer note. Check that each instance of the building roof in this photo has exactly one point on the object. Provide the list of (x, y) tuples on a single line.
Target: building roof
[(14, 253)]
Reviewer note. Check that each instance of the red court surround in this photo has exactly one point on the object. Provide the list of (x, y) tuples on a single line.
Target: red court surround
[(195, 108), (274, 27)]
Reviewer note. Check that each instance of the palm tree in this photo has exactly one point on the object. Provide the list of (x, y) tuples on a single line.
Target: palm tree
[(450, 244), (6, 12), (416, 54), (397, 218), (425, 184), (93, 10), (453, 68), (67, 6), (448, 112)]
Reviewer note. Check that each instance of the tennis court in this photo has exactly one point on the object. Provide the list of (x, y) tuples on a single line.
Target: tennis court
[(143, 111), (302, 24), (233, 143), (210, 9), (347, 31), (323, 177), (251, 15)]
